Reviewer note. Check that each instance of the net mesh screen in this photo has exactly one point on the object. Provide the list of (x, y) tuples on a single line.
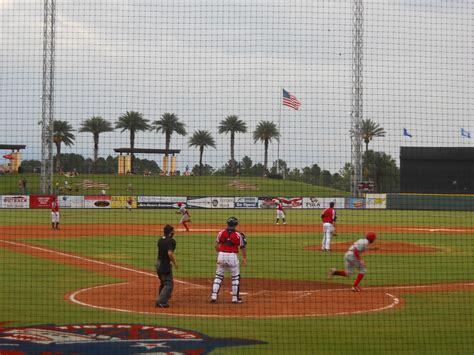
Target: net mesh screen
[(338, 134)]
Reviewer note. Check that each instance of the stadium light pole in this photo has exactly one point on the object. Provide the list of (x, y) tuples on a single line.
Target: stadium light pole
[(47, 111), (357, 98)]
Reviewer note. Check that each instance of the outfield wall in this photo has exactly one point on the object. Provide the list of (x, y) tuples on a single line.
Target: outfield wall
[(430, 202), (376, 201), (370, 201)]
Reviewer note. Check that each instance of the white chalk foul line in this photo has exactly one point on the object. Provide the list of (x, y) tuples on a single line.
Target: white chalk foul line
[(93, 261)]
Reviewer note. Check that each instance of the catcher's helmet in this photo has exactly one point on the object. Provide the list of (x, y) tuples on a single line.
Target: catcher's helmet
[(370, 236), (232, 221)]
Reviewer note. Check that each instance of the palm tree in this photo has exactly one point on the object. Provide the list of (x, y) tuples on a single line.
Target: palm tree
[(96, 125), (201, 139), (134, 122), (62, 133), (168, 124), (233, 125), (265, 132), (367, 131)]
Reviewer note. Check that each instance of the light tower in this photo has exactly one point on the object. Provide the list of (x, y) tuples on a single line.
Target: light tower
[(47, 112), (357, 80)]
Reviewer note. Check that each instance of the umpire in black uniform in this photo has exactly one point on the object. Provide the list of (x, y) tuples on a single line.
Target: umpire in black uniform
[(166, 257)]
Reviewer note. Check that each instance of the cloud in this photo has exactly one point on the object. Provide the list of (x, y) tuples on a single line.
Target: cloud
[(206, 60)]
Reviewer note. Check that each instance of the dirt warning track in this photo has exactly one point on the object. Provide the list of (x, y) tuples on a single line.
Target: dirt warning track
[(94, 230)]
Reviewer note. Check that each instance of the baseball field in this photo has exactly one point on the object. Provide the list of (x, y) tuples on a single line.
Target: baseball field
[(417, 296)]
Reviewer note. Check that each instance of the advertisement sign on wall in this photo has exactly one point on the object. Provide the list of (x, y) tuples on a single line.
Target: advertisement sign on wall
[(97, 202), (288, 202), (15, 201), (292, 202), (323, 202), (222, 202), (266, 202), (159, 201), (376, 201), (121, 201), (43, 201), (246, 202), (355, 202), (199, 202), (71, 201)]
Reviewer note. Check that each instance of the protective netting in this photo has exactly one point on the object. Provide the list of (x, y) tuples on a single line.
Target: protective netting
[(312, 123)]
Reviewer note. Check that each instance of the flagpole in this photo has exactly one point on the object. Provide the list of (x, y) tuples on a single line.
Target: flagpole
[(279, 119)]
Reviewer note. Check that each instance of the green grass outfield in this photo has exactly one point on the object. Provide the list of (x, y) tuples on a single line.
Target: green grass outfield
[(33, 289), (454, 219)]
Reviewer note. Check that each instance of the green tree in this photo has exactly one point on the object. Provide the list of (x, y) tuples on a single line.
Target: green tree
[(246, 166), (367, 131), (227, 169), (201, 139), (325, 178), (31, 166), (265, 132), (336, 181), (72, 161), (295, 175), (232, 124), (345, 174), (133, 122), (168, 124), (96, 125), (382, 170), (62, 133), (311, 174), (202, 170), (280, 167)]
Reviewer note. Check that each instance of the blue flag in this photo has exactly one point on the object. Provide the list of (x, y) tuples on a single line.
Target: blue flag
[(406, 133), (465, 134)]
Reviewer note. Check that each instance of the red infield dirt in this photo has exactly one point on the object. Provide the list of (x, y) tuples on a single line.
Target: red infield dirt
[(264, 298), (382, 247), (95, 230)]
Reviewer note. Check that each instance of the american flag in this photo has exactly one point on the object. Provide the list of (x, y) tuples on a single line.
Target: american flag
[(290, 100)]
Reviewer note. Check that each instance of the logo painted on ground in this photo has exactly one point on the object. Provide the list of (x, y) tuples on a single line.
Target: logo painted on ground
[(110, 339)]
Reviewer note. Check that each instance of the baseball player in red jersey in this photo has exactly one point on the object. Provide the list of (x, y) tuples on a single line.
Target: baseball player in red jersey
[(129, 204), (185, 216), (228, 243), (55, 213), (353, 258), (280, 212), (329, 226)]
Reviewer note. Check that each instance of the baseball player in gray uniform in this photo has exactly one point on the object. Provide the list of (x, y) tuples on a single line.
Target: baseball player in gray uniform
[(353, 259)]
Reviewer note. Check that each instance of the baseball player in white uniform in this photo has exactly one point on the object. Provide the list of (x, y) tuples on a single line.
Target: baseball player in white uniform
[(55, 213), (185, 216), (280, 213), (353, 259), (329, 226)]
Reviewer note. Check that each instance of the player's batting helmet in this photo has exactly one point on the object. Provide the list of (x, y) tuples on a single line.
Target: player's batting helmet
[(371, 236), (232, 222)]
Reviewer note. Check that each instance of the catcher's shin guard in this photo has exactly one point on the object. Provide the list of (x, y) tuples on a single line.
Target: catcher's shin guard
[(216, 286), (236, 286)]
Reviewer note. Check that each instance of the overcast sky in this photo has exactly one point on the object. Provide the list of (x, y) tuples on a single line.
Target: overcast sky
[(205, 60)]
